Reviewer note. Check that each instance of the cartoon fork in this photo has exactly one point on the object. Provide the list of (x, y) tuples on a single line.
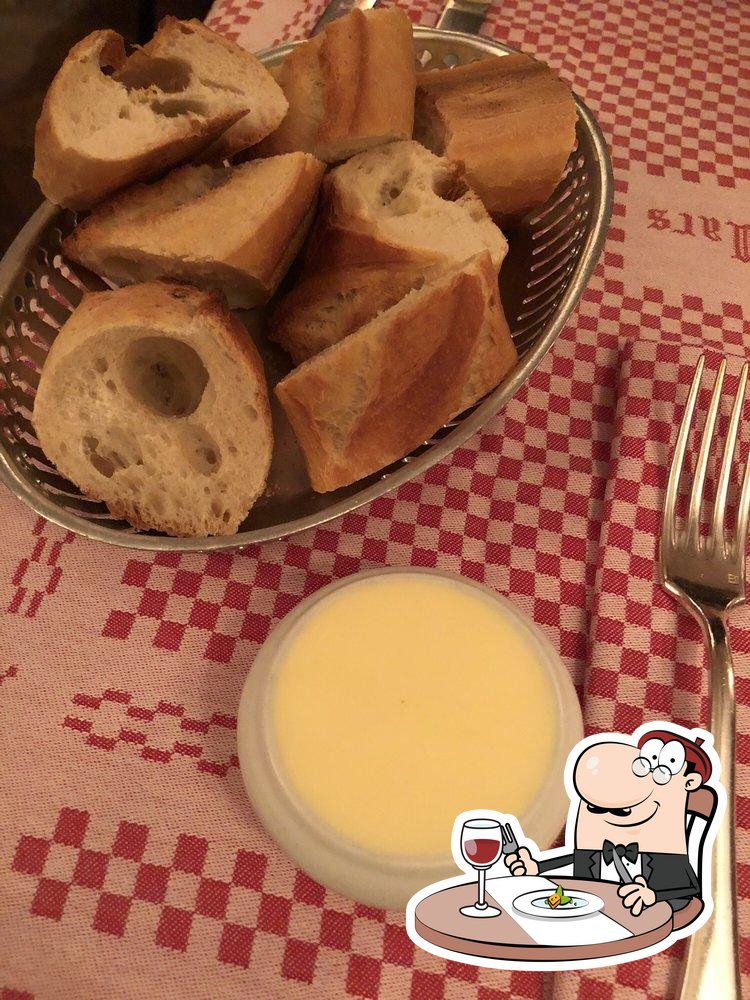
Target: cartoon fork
[(510, 844)]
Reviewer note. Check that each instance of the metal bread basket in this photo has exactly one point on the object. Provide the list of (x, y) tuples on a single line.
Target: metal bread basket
[(552, 256)]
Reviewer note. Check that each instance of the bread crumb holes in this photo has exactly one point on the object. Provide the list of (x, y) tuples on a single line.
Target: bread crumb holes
[(165, 375), (201, 450)]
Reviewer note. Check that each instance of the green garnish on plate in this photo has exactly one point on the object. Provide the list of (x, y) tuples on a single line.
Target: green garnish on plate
[(558, 898), (563, 898)]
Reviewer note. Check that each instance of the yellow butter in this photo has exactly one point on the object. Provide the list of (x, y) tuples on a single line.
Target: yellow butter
[(405, 699)]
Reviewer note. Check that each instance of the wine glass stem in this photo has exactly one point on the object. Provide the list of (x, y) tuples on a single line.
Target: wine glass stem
[(481, 903)]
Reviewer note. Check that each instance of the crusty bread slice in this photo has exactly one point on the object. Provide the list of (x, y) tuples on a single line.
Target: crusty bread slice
[(229, 62), (511, 123), (379, 393), (153, 399), (236, 229), (400, 204), (300, 77), (349, 88), (389, 218), (109, 120), (325, 307)]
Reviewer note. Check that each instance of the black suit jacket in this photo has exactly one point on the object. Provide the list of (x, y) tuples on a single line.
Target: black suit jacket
[(671, 876)]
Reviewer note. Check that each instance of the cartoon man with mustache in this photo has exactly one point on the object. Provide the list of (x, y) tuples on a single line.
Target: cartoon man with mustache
[(631, 820)]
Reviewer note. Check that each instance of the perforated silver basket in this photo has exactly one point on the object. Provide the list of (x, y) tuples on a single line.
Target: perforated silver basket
[(552, 255)]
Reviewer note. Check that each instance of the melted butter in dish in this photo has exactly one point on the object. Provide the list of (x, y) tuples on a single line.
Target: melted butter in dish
[(403, 699)]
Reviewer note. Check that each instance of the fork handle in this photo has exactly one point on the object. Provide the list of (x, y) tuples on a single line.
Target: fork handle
[(463, 15), (711, 967), (337, 8)]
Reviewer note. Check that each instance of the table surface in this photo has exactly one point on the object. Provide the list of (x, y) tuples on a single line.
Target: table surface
[(440, 922)]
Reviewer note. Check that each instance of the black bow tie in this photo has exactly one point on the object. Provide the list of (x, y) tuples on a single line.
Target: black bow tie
[(608, 851)]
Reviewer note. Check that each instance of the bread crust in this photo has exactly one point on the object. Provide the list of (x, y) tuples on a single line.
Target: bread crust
[(72, 176), (251, 256), (327, 306), (348, 233), (301, 80), (357, 263), (338, 105), (361, 51), (250, 128), (339, 239), (156, 305), (509, 121), (375, 396), (271, 250), (175, 310)]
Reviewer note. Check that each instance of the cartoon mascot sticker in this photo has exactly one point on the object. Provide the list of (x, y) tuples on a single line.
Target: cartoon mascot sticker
[(633, 876)]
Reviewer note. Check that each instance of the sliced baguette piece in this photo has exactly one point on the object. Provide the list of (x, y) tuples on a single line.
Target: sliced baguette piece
[(153, 399), (235, 229), (231, 62), (109, 119), (379, 393), (508, 120), (327, 306), (349, 89), (400, 204)]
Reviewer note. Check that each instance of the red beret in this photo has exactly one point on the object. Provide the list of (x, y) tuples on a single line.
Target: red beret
[(694, 751)]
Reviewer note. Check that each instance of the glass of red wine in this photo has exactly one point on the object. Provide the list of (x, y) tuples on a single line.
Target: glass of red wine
[(481, 846)]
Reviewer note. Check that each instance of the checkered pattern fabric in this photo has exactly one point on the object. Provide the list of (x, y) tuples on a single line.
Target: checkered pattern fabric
[(131, 863)]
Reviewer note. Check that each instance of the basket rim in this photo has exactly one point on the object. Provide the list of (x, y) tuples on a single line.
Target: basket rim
[(601, 213)]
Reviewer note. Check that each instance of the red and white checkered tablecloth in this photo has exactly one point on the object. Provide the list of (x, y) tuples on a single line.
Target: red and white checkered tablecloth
[(131, 864)]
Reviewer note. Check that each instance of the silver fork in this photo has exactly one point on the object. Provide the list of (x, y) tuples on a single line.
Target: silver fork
[(463, 15), (337, 8), (510, 844), (707, 577)]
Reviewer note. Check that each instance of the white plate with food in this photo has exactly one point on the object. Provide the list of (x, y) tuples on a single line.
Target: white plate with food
[(558, 904), (342, 333)]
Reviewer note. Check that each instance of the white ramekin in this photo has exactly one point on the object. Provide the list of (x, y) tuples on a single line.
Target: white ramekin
[(375, 879)]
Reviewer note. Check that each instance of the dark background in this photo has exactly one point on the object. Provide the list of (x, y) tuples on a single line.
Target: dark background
[(35, 36)]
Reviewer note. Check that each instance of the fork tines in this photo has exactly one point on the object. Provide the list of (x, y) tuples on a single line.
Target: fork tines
[(690, 537), (510, 845)]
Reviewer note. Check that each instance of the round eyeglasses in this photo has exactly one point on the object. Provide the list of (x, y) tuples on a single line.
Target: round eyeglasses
[(642, 766)]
